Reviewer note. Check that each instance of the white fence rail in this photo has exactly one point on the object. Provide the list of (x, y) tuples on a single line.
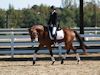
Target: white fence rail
[(10, 39)]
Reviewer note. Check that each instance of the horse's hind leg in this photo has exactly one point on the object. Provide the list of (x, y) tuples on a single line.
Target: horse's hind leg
[(34, 55), (63, 57), (68, 51), (73, 48), (67, 47), (84, 49), (77, 55)]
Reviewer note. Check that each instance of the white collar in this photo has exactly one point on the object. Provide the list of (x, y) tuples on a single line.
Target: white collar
[(53, 11)]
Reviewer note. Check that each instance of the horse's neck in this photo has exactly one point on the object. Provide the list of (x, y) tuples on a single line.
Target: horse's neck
[(45, 32), (38, 27), (45, 28)]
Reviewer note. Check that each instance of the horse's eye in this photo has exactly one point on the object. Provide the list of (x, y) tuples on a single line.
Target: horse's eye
[(34, 33)]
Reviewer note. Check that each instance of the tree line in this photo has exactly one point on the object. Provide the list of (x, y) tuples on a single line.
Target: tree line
[(67, 16)]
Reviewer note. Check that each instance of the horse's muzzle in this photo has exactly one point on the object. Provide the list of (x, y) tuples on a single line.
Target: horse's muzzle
[(36, 40)]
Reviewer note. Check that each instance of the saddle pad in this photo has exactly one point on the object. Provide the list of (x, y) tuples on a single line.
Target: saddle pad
[(60, 35)]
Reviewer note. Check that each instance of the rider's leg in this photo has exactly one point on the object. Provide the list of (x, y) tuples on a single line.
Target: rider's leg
[(54, 32), (50, 30)]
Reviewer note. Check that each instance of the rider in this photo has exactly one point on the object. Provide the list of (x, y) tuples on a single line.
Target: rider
[(52, 22)]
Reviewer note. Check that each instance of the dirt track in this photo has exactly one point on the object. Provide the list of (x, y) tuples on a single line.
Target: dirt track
[(90, 65)]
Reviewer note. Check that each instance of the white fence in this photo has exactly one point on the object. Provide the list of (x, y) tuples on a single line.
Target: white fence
[(11, 39)]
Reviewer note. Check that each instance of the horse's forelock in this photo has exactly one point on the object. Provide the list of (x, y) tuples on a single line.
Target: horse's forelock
[(37, 27), (29, 30)]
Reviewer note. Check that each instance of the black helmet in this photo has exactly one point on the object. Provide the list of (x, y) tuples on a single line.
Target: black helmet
[(52, 7)]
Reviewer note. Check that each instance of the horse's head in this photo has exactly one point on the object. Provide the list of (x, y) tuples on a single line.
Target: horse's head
[(36, 32), (34, 35)]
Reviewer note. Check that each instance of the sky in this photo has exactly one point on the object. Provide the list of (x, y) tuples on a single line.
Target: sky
[(19, 4)]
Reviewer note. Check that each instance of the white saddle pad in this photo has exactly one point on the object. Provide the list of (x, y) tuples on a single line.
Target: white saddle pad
[(60, 35)]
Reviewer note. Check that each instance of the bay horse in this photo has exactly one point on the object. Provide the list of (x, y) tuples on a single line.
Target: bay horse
[(40, 33)]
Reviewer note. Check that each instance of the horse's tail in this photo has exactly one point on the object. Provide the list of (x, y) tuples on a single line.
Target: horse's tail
[(79, 38)]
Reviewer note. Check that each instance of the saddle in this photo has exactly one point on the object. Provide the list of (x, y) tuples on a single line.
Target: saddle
[(57, 33)]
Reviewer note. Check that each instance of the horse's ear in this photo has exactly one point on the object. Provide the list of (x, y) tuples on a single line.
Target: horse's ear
[(30, 33), (29, 30)]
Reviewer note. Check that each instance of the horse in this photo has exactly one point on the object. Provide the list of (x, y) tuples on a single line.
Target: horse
[(40, 33)]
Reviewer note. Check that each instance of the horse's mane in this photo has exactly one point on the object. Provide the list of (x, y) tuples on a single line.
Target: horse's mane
[(45, 28)]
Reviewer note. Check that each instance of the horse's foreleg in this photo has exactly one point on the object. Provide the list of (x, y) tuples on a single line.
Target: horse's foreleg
[(35, 53), (34, 56), (60, 54), (51, 53), (52, 58), (78, 58)]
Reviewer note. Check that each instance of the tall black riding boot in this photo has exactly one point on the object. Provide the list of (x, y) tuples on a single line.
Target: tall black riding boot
[(55, 40)]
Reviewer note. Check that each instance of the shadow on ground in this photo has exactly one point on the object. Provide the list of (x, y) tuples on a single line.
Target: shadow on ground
[(69, 58)]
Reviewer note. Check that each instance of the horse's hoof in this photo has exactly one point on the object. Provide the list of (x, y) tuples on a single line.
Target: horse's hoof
[(53, 62), (68, 51), (33, 62), (78, 62), (62, 61), (75, 51)]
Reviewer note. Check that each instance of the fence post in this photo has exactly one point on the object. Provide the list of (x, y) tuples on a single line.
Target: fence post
[(96, 30), (12, 43)]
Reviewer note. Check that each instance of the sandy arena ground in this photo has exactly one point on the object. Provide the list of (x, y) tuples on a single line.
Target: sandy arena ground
[(89, 65)]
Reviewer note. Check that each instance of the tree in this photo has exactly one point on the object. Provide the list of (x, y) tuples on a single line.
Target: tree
[(68, 16), (2, 19), (66, 3)]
